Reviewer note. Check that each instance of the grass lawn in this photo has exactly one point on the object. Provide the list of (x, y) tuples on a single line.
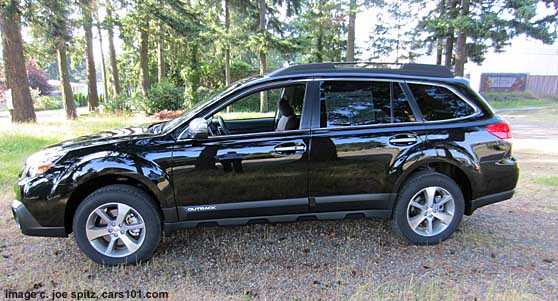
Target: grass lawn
[(549, 180), (515, 100), (19, 141)]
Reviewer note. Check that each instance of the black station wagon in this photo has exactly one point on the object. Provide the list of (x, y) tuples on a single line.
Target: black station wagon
[(325, 141)]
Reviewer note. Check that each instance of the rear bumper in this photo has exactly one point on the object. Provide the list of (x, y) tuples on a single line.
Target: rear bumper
[(489, 199), (29, 225)]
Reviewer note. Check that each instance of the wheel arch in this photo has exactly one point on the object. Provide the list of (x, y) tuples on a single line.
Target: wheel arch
[(462, 176), (94, 184), (118, 168)]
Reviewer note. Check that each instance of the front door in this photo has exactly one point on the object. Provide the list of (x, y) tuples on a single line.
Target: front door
[(251, 165), (365, 129)]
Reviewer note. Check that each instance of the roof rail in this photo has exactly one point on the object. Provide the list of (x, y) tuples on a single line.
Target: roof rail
[(367, 67)]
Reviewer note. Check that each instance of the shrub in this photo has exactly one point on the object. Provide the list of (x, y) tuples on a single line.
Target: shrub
[(38, 78), (119, 104), (164, 96), (43, 102), (80, 99)]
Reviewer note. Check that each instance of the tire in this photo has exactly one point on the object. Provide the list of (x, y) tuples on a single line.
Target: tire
[(424, 224), (110, 238)]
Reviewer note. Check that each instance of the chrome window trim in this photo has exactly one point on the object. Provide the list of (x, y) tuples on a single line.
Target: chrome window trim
[(251, 90)]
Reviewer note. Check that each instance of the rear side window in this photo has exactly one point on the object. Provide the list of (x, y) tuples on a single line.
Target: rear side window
[(352, 103), (439, 103)]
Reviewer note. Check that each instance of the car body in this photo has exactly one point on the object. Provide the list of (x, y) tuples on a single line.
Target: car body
[(352, 161)]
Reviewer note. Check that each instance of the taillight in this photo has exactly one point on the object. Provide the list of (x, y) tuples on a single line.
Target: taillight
[(500, 129)]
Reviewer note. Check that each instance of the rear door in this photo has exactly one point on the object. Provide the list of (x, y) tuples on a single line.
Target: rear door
[(363, 131)]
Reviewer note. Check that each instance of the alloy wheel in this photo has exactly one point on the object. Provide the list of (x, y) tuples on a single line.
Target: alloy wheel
[(431, 211), (115, 230)]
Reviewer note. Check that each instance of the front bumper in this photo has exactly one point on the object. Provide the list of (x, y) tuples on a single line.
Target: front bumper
[(29, 225)]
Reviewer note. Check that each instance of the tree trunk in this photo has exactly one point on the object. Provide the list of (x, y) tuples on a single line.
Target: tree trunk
[(263, 60), (440, 41), (263, 95), (448, 50), (227, 47), (144, 56), (92, 96), (16, 75), (450, 39), (461, 47), (112, 52), (351, 33), (65, 86), (160, 58), (104, 73)]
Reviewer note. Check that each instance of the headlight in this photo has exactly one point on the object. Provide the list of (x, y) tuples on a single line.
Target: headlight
[(42, 161)]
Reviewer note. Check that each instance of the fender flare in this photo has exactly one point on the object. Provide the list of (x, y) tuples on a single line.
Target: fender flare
[(115, 163), (453, 156)]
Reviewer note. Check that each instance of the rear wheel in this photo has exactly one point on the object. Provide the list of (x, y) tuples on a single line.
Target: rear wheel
[(429, 208), (117, 224)]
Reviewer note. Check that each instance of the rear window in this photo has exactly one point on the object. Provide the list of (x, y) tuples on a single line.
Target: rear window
[(352, 103), (439, 103)]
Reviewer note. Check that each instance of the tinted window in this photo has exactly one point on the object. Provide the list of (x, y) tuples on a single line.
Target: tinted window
[(439, 103), (346, 103)]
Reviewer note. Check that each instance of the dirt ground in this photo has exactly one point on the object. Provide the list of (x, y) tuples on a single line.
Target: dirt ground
[(506, 251)]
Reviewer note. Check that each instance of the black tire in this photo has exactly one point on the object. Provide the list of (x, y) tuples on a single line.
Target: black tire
[(133, 197), (410, 189)]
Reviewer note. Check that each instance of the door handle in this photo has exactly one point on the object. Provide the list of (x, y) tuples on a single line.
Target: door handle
[(403, 139), (290, 149)]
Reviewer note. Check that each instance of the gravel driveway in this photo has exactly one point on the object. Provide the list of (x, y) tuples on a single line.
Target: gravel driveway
[(507, 251)]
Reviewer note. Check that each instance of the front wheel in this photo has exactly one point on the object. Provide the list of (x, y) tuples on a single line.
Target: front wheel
[(117, 224), (429, 208)]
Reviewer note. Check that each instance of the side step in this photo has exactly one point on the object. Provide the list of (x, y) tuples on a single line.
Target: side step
[(240, 221)]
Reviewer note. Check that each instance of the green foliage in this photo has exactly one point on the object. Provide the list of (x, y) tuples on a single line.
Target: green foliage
[(392, 36), (45, 102), (321, 33), (489, 24), (80, 99), (195, 37), (121, 104), (164, 96)]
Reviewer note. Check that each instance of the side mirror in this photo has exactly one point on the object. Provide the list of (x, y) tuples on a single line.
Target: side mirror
[(198, 128)]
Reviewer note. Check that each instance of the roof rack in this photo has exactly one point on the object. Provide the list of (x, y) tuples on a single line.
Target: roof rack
[(367, 67)]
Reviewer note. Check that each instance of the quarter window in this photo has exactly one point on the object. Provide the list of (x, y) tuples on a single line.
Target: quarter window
[(439, 103), (353, 103)]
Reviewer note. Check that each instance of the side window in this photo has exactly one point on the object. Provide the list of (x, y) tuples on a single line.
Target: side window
[(275, 109), (352, 103), (250, 107), (439, 103)]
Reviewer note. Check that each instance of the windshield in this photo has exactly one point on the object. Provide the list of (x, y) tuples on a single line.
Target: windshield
[(171, 124)]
